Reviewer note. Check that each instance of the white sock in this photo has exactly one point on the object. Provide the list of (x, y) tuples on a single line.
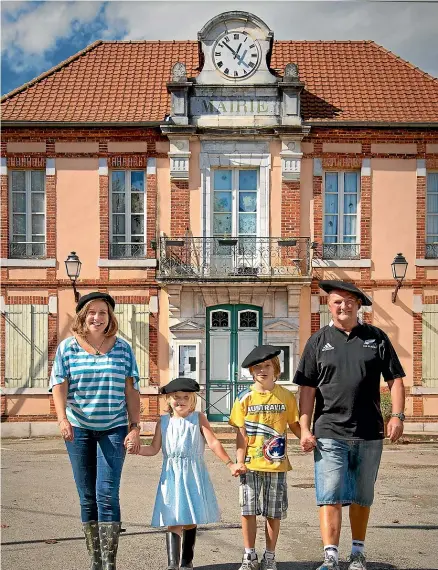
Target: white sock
[(357, 546), (251, 552), (331, 550), (269, 555)]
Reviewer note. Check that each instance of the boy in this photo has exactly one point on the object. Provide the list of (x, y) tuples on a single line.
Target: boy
[(262, 413)]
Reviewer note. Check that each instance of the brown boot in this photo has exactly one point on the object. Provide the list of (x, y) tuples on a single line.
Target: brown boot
[(188, 549), (173, 545), (91, 531)]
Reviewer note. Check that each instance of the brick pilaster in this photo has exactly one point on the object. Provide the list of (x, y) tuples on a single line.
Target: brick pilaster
[(104, 223), (290, 208), (365, 222), (315, 322), (421, 225), (151, 214), (179, 207), (4, 216), (51, 223)]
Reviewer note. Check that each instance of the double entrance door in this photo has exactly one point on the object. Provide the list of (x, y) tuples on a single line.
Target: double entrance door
[(232, 332)]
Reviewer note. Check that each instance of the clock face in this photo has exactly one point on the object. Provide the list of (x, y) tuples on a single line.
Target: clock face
[(236, 55)]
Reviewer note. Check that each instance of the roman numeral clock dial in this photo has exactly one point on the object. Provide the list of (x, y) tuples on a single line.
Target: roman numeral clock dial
[(236, 55)]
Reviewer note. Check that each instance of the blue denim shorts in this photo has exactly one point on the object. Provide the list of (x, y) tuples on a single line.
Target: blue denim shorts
[(346, 471)]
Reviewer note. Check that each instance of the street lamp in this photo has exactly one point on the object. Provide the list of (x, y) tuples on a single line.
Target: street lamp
[(73, 268), (399, 267)]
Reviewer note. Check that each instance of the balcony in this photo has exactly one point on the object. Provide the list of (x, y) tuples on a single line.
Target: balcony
[(233, 258), (341, 251), (127, 250), (432, 250), (27, 250)]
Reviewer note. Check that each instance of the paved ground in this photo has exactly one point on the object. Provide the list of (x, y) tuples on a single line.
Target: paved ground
[(41, 527)]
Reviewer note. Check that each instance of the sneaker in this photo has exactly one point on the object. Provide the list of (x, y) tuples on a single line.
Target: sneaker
[(268, 564), (248, 564), (357, 561), (329, 564)]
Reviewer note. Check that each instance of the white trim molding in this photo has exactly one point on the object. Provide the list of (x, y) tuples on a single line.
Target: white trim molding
[(421, 167), (419, 390), (151, 167), (366, 167), (179, 155), (291, 156), (417, 303), (317, 167), (103, 167), (4, 166), (314, 303), (53, 304), (341, 263), (28, 263), (426, 262), (50, 167), (127, 263)]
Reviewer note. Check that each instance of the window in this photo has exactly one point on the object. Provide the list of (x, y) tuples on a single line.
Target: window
[(128, 230), (286, 364), (220, 319), (28, 214), (432, 216), (235, 207), (26, 346), (134, 328), (341, 223)]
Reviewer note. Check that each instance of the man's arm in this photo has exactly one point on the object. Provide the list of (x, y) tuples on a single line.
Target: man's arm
[(395, 425), (307, 400)]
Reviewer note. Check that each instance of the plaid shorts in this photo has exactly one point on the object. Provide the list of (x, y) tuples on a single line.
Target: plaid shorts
[(274, 494)]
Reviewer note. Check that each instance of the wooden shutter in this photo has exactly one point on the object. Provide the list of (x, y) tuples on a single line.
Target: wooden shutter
[(134, 328), (430, 344)]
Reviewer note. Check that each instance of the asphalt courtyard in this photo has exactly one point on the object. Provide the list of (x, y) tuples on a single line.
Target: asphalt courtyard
[(41, 528)]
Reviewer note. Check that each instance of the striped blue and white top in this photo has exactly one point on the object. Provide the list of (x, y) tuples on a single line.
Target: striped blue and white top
[(96, 384)]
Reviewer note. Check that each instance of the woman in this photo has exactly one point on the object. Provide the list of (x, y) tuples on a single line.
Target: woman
[(95, 385)]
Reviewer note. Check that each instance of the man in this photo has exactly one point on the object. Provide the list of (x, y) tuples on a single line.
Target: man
[(341, 367)]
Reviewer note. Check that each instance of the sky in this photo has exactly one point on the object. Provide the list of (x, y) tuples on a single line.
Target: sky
[(36, 36)]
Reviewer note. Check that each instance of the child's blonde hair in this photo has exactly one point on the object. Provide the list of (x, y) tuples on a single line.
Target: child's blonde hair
[(275, 363), (193, 401)]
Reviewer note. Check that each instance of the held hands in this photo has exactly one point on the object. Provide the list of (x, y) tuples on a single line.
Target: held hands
[(237, 469), (66, 429), (394, 429), (132, 442), (307, 441)]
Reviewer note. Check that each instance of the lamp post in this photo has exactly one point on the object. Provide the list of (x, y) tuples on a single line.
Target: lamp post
[(73, 268), (399, 267)]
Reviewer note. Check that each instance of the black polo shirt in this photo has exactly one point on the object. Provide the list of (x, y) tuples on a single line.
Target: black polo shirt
[(345, 370)]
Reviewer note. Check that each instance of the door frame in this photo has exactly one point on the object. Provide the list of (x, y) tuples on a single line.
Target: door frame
[(234, 329)]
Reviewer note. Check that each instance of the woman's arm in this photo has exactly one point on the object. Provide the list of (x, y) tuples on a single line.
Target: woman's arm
[(215, 445), (132, 397), (155, 446), (60, 392)]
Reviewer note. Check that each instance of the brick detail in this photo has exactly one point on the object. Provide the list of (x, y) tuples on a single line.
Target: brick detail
[(179, 208), (290, 209), (50, 146), (421, 225), (51, 217), (417, 350), (4, 217), (315, 322), (26, 161), (127, 161), (317, 210), (365, 217), (342, 162), (3, 350), (151, 215), (431, 300), (104, 223), (154, 378)]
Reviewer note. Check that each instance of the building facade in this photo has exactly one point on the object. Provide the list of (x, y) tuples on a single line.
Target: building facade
[(208, 186)]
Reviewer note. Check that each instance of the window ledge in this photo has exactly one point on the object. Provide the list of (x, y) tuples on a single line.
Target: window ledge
[(426, 262), (149, 390), (41, 263), (418, 390), (127, 263), (341, 263), (25, 391)]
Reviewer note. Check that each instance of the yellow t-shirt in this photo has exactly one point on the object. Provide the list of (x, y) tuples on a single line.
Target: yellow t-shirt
[(265, 417)]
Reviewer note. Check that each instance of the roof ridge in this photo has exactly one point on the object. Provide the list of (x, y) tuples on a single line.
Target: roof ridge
[(149, 41), (404, 61), (50, 71), (323, 41)]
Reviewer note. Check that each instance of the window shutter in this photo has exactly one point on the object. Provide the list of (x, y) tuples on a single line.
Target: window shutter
[(134, 328), (324, 316), (26, 350), (430, 342)]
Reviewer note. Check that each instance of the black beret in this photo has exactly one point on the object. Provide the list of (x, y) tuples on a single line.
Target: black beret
[(260, 354), (181, 384), (329, 286), (93, 297)]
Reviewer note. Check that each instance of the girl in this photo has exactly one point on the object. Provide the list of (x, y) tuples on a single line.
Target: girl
[(185, 495)]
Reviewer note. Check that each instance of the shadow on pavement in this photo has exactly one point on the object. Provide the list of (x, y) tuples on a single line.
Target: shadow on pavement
[(308, 566)]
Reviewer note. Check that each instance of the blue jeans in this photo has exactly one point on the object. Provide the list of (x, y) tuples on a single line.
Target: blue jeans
[(346, 471), (97, 459)]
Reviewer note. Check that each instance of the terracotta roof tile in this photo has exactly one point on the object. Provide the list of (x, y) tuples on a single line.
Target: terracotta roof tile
[(117, 82)]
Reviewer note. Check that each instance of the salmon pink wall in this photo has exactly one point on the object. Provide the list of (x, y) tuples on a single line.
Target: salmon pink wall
[(163, 198), (394, 208), (195, 189), (306, 197), (26, 147), (76, 147), (275, 190), (342, 147), (28, 406), (77, 212), (27, 274)]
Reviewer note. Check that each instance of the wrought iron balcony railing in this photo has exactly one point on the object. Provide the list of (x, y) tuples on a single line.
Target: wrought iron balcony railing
[(127, 250), (341, 250), (199, 258), (432, 250), (27, 250)]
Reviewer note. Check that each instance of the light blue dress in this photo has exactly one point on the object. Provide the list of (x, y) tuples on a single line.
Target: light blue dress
[(185, 494)]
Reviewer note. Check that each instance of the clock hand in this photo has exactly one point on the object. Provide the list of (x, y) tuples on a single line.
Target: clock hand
[(240, 59), (231, 50), (237, 51)]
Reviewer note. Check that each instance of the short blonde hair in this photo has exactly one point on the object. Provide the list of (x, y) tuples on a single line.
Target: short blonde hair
[(275, 363), (193, 401), (79, 327)]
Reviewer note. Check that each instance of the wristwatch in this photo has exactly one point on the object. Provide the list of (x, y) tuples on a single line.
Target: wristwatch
[(134, 425), (400, 416)]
